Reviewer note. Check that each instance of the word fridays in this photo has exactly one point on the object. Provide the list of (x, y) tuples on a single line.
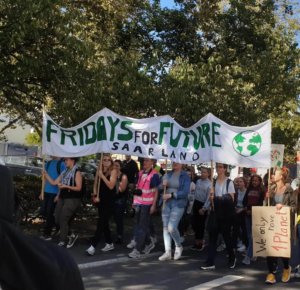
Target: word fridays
[(159, 137)]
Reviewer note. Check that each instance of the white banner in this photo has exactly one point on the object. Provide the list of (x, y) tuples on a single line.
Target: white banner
[(210, 139), (277, 153)]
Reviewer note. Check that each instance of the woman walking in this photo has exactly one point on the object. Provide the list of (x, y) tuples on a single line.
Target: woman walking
[(177, 184), (281, 194), (107, 193)]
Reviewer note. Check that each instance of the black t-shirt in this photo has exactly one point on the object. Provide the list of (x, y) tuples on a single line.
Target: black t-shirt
[(131, 170)]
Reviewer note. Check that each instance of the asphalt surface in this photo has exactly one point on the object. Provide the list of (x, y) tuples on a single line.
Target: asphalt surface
[(115, 270)]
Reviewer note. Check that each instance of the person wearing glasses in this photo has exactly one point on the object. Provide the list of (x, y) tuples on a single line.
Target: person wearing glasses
[(107, 195)]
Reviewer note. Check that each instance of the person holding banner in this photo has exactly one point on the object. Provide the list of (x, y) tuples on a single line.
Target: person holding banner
[(281, 194), (221, 217), (107, 195), (177, 184), (68, 199)]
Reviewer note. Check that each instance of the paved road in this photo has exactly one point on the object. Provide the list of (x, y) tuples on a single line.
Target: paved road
[(114, 270)]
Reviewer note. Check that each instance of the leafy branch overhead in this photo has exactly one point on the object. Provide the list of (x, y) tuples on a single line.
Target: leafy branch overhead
[(236, 59)]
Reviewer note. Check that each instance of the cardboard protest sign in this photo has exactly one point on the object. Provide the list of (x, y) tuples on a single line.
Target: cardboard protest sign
[(271, 231), (277, 153)]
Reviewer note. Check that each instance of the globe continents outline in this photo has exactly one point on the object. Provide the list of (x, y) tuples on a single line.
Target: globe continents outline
[(253, 142)]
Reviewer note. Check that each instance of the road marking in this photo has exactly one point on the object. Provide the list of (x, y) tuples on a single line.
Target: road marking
[(115, 261), (216, 283)]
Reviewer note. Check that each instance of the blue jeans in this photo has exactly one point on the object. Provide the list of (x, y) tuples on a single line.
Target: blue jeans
[(249, 235), (171, 216)]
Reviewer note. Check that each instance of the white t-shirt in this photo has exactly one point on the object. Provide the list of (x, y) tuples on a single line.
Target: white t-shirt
[(221, 188)]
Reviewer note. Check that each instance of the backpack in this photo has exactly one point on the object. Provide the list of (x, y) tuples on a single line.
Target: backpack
[(225, 207), (58, 166)]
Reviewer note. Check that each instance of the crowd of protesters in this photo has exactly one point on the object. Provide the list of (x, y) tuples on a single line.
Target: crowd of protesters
[(218, 210)]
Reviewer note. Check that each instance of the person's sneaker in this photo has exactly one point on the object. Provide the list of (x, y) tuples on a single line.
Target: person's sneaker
[(165, 257), (246, 261), (286, 275), (221, 247), (108, 247), (131, 245), (271, 279), (148, 248), (72, 240), (91, 251), (297, 272), (46, 238), (61, 244), (232, 263), (241, 249), (208, 267), (135, 254), (178, 253)]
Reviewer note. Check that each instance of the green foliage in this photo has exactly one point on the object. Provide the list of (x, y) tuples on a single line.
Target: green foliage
[(236, 59), (33, 139)]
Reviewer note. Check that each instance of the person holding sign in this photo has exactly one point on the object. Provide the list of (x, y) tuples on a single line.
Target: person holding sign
[(107, 195), (281, 194), (177, 184), (223, 210)]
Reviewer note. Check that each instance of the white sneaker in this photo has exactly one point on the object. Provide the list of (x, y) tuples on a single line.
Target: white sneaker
[(246, 260), (108, 247), (72, 240), (135, 254), (148, 248), (241, 249), (91, 251), (178, 252), (165, 257), (131, 245)]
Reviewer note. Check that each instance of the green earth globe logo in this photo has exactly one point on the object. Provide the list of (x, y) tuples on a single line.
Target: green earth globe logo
[(247, 143)]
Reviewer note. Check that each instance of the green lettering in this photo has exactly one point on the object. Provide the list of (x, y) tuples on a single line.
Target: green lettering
[(80, 132), (49, 130), (174, 141), (214, 133), (186, 139), (205, 133), (92, 139), (128, 136), (162, 131), (70, 134), (113, 127), (101, 131), (197, 139)]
